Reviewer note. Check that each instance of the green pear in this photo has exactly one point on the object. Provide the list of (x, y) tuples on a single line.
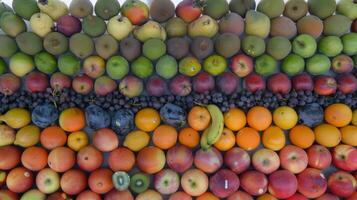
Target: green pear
[(25, 8), (257, 24), (54, 8), (150, 29), (41, 24), (204, 26), (119, 27), (20, 64), (9, 46), (347, 8), (12, 24)]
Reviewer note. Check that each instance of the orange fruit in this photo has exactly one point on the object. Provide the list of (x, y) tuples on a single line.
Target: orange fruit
[(327, 135), (248, 138), (121, 159), (77, 140), (349, 135), (72, 119), (226, 141), (302, 136), (199, 118), (189, 137), (274, 138), (105, 140), (266, 196), (354, 117), (52, 137), (207, 196), (34, 158), (235, 119), (136, 140), (259, 118), (164, 136), (147, 119), (338, 114), (285, 117), (61, 159)]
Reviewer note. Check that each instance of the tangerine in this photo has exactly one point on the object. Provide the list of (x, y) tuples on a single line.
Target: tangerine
[(189, 137), (248, 138), (302, 136), (235, 119), (164, 136), (72, 119), (274, 138), (53, 137), (199, 118), (259, 118), (349, 135), (338, 114), (147, 119), (285, 117), (226, 141), (34, 158), (207, 196), (327, 135)]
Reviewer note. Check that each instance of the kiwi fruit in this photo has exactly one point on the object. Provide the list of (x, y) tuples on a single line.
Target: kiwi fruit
[(106, 46), (9, 46), (130, 48), (201, 47), (322, 8), (94, 26), (162, 10), (81, 45), (55, 43), (241, 6), (139, 182), (121, 180), (107, 9), (154, 48), (25, 8), (81, 8), (295, 9), (176, 27), (177, 47), (216, 8), (283, 26), (337, 25), (29, 43), (227, 44)]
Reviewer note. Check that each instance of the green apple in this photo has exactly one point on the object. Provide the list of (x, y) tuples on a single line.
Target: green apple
[(278, 47), (265, 65), (154, 48), (330, 46), (304, 45), (69, 64), (117, 67), (142, 67), (253, 46), (45, 62), (349, 42), (189, 66), (21, 64), (119, 27), (293, 64), (318, 64), (347, 8), (215, 64), (166, 67), (3, 67)]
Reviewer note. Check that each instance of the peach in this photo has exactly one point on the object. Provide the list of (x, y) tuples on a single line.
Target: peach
[(240, 195), (119, 195), (47, 181), (311, 183), (105, 140), (342, 184), (61, 159), (237, 160), (209, 160), (100, 181), (179, 158), (319, 157), (266, 161), (224, 183), (194, 182), (254, 182), (19, 180), (282, 184), (293, 158), (10, 157), (89, 158), (151, 160), (73, 181), (180, 196), (88, 195)]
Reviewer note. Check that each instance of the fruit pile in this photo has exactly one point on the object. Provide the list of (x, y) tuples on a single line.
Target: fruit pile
[(170, 154)]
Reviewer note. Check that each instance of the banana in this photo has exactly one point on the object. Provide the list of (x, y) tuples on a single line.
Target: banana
[(217, 124), (204, 143)]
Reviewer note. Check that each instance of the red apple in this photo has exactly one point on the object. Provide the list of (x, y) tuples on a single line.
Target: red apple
[(242, 65), (58, 196), (131, 86), (68, 25), (240, 195), (303, 82), (104, 85), (82, 84), (209, 160), (94, 66), (19, 180), (48, 181), (59, 81), (342, 64), (136, 11), (279, 83), (352, 197), (166, 182), (179, 158), (347, 83), (188, 11), (224, 183), (342, 184), (181, 85), (156, 86), (297, 196), (9, 84), (293, 158), (282, 184), (344, 157), (194, 182), (328, 196), (237, 160), (254, 182), (266, 161), (325, 85), (254, 82), (203, 82), (180, 196), (311, 183), (319, 157), (8, 195), (36, 82), (227, 83)]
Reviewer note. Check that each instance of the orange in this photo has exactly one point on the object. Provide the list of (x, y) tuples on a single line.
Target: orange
[(226, 141), (147, 119), (349, 135), (52, 137), (72, 119), (189, 137), (248, 138), (302, 136), (327, 135), (274, 138), (235, 119), (266, 196), (164, 136), (259, 118), (285, 117), (199, 118), (338, 114), (354, 117), (207, 196)]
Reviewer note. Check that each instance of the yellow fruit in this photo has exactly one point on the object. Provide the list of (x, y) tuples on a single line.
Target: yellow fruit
[(338, 115), (274, 138), (285, 117), (77, 140), (226, 141), (136, 140), (302, 136), (147, 119), (354, 117), (16, 118), (327, 135), (27, 136), (349, 135), (7, 135)]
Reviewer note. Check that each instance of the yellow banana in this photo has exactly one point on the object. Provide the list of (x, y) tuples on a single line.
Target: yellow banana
[(217, 124), (204, 143)]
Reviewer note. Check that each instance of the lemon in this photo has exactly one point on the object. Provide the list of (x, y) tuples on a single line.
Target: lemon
[(285, 117), (7, 135), (77, 140), (27, 136), (16, 118), (136, 140)]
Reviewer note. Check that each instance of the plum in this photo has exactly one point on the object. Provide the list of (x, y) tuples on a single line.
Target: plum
[(9, 84), (96, 117), (311, 114), (68, 25), (123, 121), (173, 115), (44, 115)]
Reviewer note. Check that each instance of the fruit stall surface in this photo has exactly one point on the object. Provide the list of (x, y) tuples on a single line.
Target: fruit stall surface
[(178, 100)]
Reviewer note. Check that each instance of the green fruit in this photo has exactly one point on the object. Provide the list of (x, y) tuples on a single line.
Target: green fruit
[(12, 24), (4, 7), (293, 64), (227, 44), (117, 67), (139, 182), (337, 25), (45, 62), (154, 48), (189, 66), (3, 66), (121, 180), (272, 8), (241, 6), (204, 26), (55, 43), (355, 60), (142, 67), (20, 64), (33, 194), (81, 8), (215, 64), (253, 46), (166, 67), (106, 46), (265, 65), (54, 8), (318, 64), (176, 27), (216, 8), (257, 24), (81, 45), (106, 9), (25, 8), (278, 47), (9, 46), (331, 46), (347, 8), (350, 44), (94, 26), (322, 8), (68, 64), (41, 24), (295, 9), (29, 43), (304, 45)]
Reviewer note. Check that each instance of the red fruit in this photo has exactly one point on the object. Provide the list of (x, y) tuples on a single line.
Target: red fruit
[(179, 158), (279, 83), (328, 196), (34, 158), (180, 196), (121, 159), (237, 160), (2, 178), (8, 195), (297, 196), (119, 195), (311, 183), (242, 65), (227, 83), (104, 85), (59, 81), (342, 184), (68, 25), (240, 195), (282, 184), (181, 85), (254, 182), (347, 83), (209, 160), (73, 181), (58, 196), (203, 82), (293, 158), (166, 182), (345, 157), (224, 183), (82, 84), (36, 82), (188, 11), (136, 11), (105, 140), (325, 85), (19, 180), (151, 160), (9, 84), (254, 82), (61, 159), (88, 195), (266, 161), (156, 86), (352, 197), (303, 82), (319, 157), (10, 157), (131, 86), (342, 64), (100, 181), (89, 158)]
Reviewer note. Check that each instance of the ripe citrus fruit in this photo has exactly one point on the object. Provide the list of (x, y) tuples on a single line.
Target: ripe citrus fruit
[(327, 135), (248, 138), (199, 118), (302, 136), (235, 119), (136, 140), (207, 196), (105, 140), (285, 117), (77, 140), (349, 135), (52, 137), (354, 117), (147, 119), (34, 158), (72, 119), (189, 137), (338, 114), (274, 138), (164, 136), (226, 141), (259, 118)]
